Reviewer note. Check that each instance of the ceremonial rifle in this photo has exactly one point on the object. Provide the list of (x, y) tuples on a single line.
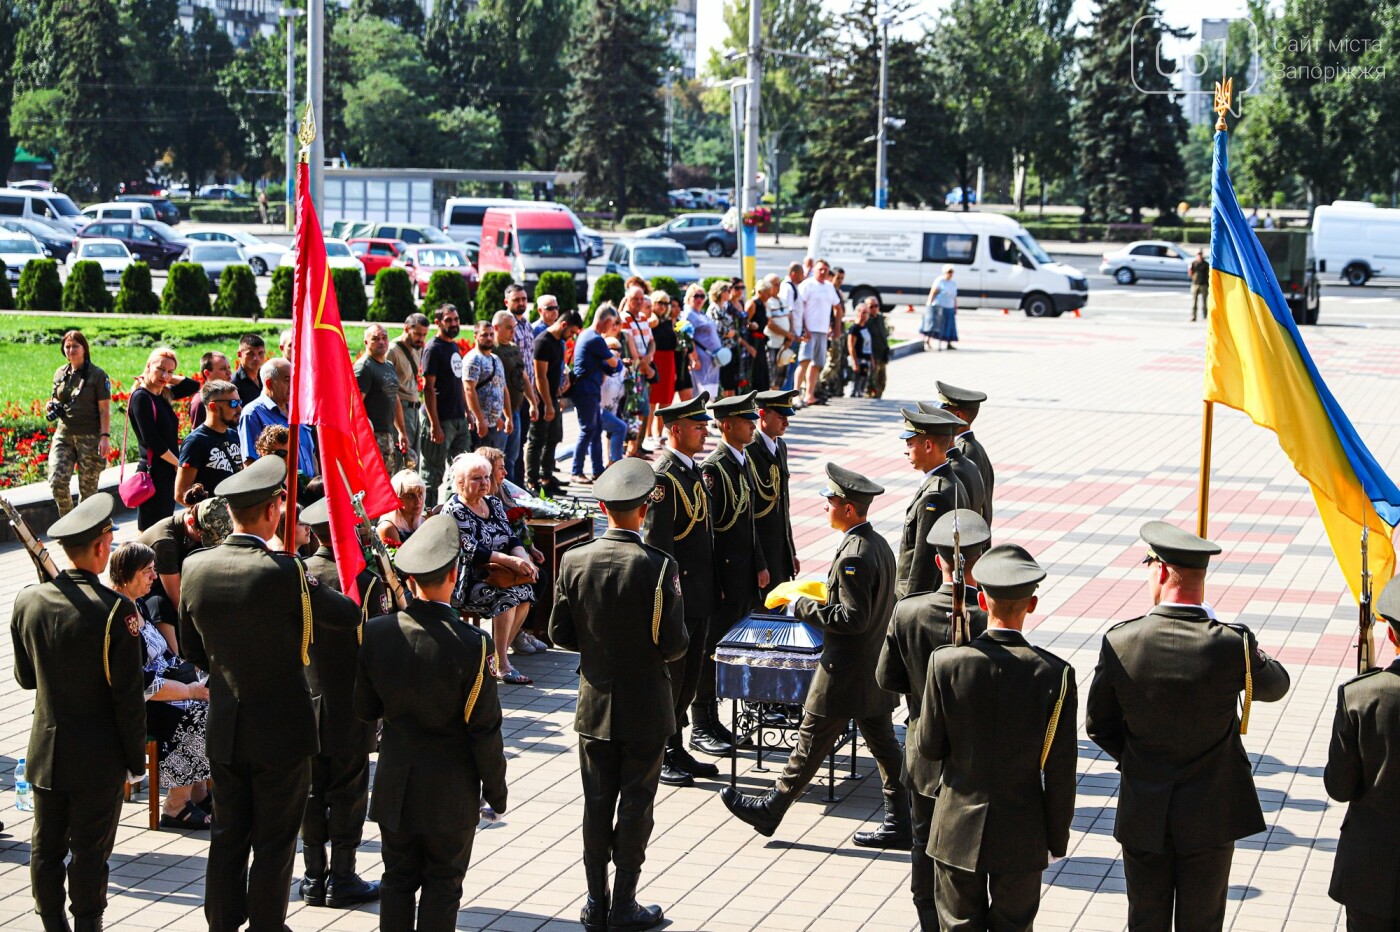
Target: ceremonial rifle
[(961, 631), (43, 563), (381, 556), (1365, 651)]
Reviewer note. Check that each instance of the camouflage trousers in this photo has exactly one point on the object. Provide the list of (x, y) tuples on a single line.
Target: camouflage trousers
[(832, 381), (876, 385), (66, 452)]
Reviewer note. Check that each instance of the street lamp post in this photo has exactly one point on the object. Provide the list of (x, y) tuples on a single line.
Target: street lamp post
[(290, 148), (881, 184)]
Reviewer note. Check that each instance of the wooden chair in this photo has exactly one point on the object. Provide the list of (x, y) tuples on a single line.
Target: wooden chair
[(152, 784)]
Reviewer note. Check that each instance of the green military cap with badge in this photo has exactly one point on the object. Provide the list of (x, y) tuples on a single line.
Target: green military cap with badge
[(316, 514), (1008, 571), (933, 423), (971, 529), (736, 406), (1170, 544), (692, 409), (953, 397), (852, 486), (434, 547), (87, 522), (626, 484), (254, 484), (778, 402)]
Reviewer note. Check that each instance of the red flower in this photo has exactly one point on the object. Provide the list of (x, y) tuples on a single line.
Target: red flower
[(517, 513)]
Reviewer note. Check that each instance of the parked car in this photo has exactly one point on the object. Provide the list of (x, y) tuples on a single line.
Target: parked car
[(1152, 259), (222, 192), (376, 253), (111, 254), (527, 242), (166, 212), (49, 206), (150, 241), (463, 217), (338, 256), (423, 259), (110, 210), (261, 254), (17, 250), (215, 257), (58, 242), (650, 257), (34, 185), (682, 198), (697, 231), (408, 233)]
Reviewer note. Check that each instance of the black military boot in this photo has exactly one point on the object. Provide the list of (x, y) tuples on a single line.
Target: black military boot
[(55, 922), (672, 775), (928, 917), (704, 736), (626, 912), (895, 831), (87, 923), (344, 887), (764, 813), (313, 884), (678, 758), (717, 726), (595, 912)]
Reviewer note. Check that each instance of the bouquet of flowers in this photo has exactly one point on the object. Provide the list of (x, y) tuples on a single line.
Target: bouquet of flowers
[(685, 337), (516, 515)]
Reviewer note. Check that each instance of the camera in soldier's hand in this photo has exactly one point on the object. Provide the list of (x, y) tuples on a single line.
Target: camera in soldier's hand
[(55, 409)]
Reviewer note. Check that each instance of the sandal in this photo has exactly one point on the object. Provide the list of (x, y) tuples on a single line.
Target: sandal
[(191, 817), (516, 678)]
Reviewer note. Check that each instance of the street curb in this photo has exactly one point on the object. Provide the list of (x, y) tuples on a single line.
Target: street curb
[(906, 349)]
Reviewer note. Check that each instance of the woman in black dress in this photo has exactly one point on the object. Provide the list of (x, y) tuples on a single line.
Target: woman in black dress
[(755, 335), (157, 430)]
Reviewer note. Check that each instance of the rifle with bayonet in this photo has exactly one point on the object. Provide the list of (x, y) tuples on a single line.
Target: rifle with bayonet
[(1365, 650), (961, 626), (43, 563), (381, 555)]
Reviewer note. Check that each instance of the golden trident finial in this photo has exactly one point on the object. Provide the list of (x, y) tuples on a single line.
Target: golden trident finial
[(307, 134), (1223, 91)]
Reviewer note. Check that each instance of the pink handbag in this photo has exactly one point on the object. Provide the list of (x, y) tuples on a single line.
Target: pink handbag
[(140, 487)]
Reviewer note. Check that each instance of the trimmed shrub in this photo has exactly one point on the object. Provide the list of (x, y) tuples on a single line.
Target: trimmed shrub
[(710, 280), (634, 222), (222, 213), (561, 285), (186, 290), (797, 226), (135, 295), (39, 288), (279, 295), (238, 294), (448, 286), (610, 288), (490, 295), (1127, 232), (393, 297), (7, 300), (85, 292), (669, 285), (349, 294)]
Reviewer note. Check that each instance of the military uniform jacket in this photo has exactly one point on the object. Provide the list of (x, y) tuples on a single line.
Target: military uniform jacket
[(618, 603), (78, 643), (679, 521), (334, 652), (971, 448), (737, 547), (423, 671), (241, 619), (920, 625), (768, 473), (917, 571), (970, 478), (860, 599), (1362, 770), (987, 710), (1163, 704)]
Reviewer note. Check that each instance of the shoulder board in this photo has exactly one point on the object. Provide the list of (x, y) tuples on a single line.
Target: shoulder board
[(1241, 628), (1358, 678), (1122, 623), (942, 647)]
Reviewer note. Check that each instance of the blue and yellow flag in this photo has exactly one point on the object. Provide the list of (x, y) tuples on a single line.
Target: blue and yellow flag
[(1256, 363)]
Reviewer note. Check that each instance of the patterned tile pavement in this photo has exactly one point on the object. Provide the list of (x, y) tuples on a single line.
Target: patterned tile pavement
[(1095, 428)]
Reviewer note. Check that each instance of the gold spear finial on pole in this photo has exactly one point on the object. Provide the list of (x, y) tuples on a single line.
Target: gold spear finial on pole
[(1223, 91), (307, 133)]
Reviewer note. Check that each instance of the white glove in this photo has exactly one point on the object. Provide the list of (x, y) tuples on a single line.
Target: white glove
[(135, 778)]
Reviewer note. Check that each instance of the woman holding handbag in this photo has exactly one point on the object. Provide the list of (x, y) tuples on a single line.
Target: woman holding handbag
[(152, 418)]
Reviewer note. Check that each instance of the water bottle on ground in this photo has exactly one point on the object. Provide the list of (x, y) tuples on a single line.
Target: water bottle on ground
[(24, 797)]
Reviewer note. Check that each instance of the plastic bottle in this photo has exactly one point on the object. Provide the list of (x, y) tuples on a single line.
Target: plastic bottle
[(24, 799)]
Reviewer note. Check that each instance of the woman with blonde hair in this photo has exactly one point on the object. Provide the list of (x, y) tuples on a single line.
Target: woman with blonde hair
[(153, 420), (398, 525)]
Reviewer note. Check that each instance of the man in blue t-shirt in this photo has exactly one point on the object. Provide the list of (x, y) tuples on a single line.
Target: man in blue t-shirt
[(592, 360), (445, 432), (212, 453)]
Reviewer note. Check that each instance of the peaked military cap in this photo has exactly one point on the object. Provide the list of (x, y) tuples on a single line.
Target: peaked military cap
[(692, 409), (736, 406), (1008, 571), (1171, 544), (90, 520), (852, 486), (317, 513), (778, 402), (930, 423), (1388, 605), (973, 532), (955, 397), (434, 547), (254, 484), (213, 520), (625, 484)]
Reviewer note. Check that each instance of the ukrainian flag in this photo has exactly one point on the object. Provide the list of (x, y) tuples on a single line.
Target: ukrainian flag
[(1256, 362)]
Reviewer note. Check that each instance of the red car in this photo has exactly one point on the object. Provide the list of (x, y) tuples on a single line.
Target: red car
[(423, 259), (376, 254)]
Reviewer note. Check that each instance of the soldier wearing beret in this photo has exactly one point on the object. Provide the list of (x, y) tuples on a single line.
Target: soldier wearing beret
[(927, 436), (423, 671), (77, 643), (619, 605), (679, 521), (854, 619), (922, 623), (965, 403), (966, 472), (246, 616), (335, 810), (768, 471), (999, 715), (1163, 704), (1365, 739)]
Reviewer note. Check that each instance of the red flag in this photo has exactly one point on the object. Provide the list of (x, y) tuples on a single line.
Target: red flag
[(324, 393)]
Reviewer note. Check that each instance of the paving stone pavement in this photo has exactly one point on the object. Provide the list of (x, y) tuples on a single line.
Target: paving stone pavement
[(1095, 428)]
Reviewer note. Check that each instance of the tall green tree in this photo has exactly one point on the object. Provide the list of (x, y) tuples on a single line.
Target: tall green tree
[(259, 119), (150, 29), (206, 137), (406, 14), (10, 24)]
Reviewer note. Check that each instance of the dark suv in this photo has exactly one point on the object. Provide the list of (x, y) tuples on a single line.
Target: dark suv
[(166, 212), (697, 231), (150, 241)]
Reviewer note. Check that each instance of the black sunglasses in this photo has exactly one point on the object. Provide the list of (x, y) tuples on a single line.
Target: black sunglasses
[(233, 403)]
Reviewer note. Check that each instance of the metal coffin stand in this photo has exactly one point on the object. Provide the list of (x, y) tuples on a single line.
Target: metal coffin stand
[(765, 664)]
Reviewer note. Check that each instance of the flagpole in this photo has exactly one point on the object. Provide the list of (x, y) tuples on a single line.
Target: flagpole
[(1203, 505), (305, 135)]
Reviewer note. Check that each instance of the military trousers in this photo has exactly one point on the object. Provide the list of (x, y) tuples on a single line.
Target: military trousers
[(257, 814), (1194, 883), (69, 450), (685, 672), (719, 626), (411, 413), (1366, 922), (971, 901), (435, 457), (619, 788), (84, 823), (921, 872), (433, 864), (818, 734), (335, 813)]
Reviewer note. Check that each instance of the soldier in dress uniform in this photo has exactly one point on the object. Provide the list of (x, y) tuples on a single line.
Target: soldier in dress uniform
[(965, 471), (999, 715), (965, 404), (922, 623), (926, 436), (1163, 704), (768, 471), (743, 566), (619, 604), (854, 619), (335, 810), (423, 671), (678, 521), (77, 643), (1360, 772), (246, 616)]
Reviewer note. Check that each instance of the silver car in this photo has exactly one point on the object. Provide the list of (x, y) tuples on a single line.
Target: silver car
[(215, 257), (648, 258), (1147, 259), (261, 255)]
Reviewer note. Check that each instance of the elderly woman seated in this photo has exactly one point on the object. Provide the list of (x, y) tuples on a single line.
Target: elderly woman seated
[(396, 527), (524, 642)]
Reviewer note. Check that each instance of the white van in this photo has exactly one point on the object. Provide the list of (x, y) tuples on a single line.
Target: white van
[(120, 210), (50, 207), (1356, 242), (896, 255)]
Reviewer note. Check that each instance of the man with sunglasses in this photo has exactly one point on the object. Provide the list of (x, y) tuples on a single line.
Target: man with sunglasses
[(212, 453)]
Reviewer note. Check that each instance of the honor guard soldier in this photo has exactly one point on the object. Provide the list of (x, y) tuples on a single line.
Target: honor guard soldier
[(246, 616), (922, 623), (678, 521), (999, 715), (1163, 705), (854, 619), (926, 437), (423, 671), (619, 605), (965, 403), (1360, 772), (78, 644), (743, 568), (335, 810), (965, 471), (768, 471)]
